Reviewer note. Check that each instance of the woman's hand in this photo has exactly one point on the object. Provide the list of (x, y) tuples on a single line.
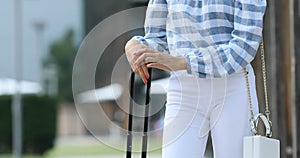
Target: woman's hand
[(131, 47), (156, 59)]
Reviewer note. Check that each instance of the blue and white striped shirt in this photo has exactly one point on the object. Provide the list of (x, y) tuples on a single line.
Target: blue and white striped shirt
[(217, 37)]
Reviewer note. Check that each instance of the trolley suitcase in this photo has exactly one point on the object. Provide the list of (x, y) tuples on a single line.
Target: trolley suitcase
[(146, 118)]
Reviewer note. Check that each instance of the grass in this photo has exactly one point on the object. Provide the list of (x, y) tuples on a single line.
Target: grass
[(82, 150), (28, 156), (99, 149), (91, 150)]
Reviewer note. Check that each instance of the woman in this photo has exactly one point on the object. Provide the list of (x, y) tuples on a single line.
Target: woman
[(205, 44)]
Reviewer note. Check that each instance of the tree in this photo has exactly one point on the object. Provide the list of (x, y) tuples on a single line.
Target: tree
[(62, 54)]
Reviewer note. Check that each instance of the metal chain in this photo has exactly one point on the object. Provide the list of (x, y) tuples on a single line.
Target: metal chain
[(249, 95), (263, 66), (267, 111)]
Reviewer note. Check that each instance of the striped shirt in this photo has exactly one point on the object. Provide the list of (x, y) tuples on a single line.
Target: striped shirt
[(217, 37)]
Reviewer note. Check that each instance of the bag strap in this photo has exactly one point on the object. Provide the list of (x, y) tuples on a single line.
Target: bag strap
[(264, 71), (267, 111)]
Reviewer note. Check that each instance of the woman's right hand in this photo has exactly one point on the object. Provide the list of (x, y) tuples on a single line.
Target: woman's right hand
[(131, 47)]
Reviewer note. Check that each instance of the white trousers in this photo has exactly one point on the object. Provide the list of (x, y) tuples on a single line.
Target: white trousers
[(196, 106)]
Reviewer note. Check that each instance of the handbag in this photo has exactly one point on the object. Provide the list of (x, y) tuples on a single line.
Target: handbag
[(259, 146)]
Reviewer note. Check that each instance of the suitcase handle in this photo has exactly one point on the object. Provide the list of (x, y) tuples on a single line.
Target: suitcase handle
[(146, 119)]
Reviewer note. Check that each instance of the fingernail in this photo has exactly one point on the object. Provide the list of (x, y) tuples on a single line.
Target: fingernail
[(145, 81), (147, 76)]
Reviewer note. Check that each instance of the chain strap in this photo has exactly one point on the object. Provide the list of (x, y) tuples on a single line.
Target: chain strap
[(267, 111), (249, 96), (263, 66)]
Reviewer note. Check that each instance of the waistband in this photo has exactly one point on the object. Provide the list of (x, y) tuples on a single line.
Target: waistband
[(249, 68)]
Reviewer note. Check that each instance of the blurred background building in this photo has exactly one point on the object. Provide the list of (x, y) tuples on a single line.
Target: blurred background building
[(53, 30)]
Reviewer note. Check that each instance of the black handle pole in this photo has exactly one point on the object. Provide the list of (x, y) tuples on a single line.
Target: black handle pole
[(130, 119), (146, 119)]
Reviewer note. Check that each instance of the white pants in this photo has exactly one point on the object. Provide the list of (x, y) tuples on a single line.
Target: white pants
[(196, 106)]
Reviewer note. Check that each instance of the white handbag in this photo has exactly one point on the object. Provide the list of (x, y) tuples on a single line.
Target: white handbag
[(257, 146)]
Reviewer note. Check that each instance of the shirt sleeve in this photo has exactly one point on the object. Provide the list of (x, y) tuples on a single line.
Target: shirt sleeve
[(220, 60), (155, 26)]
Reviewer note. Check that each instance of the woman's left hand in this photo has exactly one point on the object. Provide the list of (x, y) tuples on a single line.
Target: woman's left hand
[(159, 60)]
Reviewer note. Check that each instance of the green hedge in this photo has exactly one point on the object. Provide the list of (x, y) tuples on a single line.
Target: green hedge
[(39, 123)]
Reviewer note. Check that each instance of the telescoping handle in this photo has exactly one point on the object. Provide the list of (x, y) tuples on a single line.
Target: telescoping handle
[(130, 117), (146, 118)]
